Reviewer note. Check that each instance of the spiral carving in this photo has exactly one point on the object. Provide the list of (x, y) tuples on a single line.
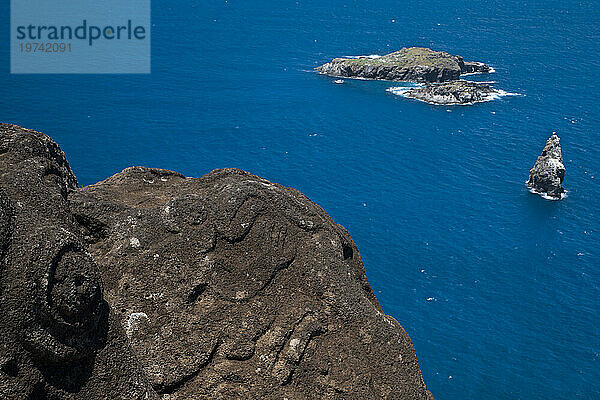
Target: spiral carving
[(67, 320)]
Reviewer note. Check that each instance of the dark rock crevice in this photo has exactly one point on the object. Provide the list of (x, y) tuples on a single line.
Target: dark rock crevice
[(93, 230), (196, 292)]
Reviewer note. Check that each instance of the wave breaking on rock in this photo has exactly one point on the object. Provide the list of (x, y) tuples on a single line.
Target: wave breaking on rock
[(452, 93)]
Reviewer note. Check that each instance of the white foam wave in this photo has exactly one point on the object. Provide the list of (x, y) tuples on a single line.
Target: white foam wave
[(493, 96), (545, 196), (401, 90), (504, 93), (491, 71), (372, 56)]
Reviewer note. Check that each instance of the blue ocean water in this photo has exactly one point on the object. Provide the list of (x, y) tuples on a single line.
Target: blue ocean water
[(498, 288)]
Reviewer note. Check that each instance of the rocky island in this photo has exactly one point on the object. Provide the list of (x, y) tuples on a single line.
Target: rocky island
[(548, 173), (450, 93), (151, 285), (412, 64)]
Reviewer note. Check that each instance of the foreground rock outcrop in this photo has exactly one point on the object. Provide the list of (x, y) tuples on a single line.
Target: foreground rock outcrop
[(456, 92), (59, 339), (548, 173), (153, 285), (413, 64)]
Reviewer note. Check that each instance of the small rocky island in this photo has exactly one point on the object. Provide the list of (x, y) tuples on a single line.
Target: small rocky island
[(455, 92), (150, 285), (548, 173), (411, 64)]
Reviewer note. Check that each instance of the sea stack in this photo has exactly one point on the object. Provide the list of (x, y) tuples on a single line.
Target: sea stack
[(547, 174)]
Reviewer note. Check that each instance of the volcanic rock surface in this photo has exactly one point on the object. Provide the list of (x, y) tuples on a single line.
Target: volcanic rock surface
[(456, 92), (413, 64), (59, 339), (548, 173), (153, 285)]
